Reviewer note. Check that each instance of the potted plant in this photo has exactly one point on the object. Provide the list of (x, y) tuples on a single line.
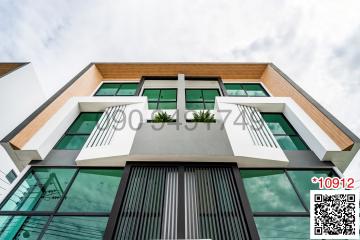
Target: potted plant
[(203, 116), (162, 117)]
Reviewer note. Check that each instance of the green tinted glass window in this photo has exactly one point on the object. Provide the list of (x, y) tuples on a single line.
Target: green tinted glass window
[(278, 124), (194, 106), (270, 191), (161, 98), (291, 143), (21, 227), (245, 89), (66, 227), (107, 89), (194, 95), (284, 133), (168, 95), (302, 181), (40, 190), (85, 123), (167, 105), (209, 95), (117, 89), (72, 142), (77, 134), (235, 90), (283, 227), (92, 191), (127, 89), (152, 94), (198, 99)]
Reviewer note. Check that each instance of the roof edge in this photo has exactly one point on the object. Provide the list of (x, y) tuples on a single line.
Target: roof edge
[(23, 64), (24, 123), (332, 118)]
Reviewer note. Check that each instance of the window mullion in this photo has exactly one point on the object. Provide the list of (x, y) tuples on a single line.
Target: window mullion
[(117, 90), (296, 191), (59, 203)]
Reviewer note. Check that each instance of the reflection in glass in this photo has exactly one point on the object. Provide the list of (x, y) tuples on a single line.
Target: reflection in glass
[(270, 191), (93, 190), (302, 181), (65, 227), (40, 190), (21, 227), (283, 227)]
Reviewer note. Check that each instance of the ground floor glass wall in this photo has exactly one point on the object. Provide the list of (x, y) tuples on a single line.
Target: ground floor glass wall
[(159, 201)]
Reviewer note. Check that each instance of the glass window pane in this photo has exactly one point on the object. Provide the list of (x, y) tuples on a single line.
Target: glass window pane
[(194, 95), (107, 89), (234, 90), (232, 86), (72, 142), (209, 106), (92, 191), (270, 191), (65, 227), (167, 105), (210, 94), (85, 123), (291, 143), (278, 124), (127, 89), (152, 105), (40, 191), (168, 95), (299, 143), (274, 228), (21, 227), (194, 106), (152, 94), (302, 181), (254, 90)]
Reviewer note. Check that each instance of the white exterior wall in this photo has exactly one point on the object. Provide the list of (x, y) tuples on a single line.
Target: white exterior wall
[(20, 95)]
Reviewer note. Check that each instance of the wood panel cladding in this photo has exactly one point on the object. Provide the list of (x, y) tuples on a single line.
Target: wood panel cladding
[(86, 84), (83, 86), (8, 67), (229, 71), (280, 87)]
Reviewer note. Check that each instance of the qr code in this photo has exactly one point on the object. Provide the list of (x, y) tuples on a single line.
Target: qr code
[(334, 214)]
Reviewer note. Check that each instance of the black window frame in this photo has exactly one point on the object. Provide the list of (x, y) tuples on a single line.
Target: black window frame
[(247, 95), (203, 100), (55, 212), (120, 83), (158, 100), (296, 134)]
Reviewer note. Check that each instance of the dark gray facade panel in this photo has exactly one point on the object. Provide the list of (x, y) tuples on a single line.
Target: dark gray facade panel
[(182, 141), (305, 159), (59, 158)]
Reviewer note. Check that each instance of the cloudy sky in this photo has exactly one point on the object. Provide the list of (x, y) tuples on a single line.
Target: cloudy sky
[(317, 43)]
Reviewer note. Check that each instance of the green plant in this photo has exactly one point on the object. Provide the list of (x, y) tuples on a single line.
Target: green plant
[(203, 116), (162, 117)]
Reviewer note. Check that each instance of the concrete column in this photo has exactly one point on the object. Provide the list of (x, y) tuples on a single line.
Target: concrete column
[(181, 98)]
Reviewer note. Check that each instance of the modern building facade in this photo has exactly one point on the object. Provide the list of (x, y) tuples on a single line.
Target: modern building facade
[(98, 166), (20, 95)]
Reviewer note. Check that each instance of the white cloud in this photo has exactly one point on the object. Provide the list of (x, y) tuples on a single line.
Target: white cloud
[(315, 42)]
